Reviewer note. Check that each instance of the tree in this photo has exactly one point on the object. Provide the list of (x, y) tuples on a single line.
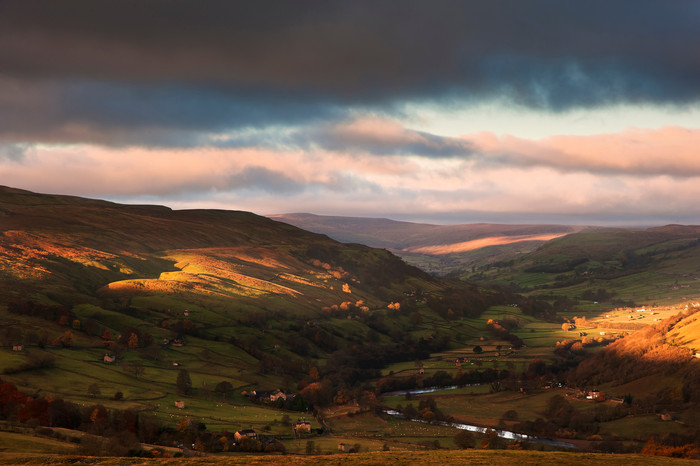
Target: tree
[(464, 439), (184, 382), (490, 440), (313, 373), (65, 340), (223, 388), (477, 349), (134, 368)]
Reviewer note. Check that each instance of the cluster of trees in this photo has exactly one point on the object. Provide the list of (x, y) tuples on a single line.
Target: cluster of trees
[(427, 411), (674, 446), (500, 331), (116, 432), (440, 379), (465, 301), (130, 338)]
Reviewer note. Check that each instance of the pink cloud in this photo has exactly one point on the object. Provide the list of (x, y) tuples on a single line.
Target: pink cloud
[(670, 150)]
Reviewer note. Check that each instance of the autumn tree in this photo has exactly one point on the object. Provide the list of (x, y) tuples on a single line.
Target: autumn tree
[(490, 440)]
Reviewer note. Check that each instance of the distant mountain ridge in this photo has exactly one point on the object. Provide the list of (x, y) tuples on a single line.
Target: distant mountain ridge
[(422, 244)]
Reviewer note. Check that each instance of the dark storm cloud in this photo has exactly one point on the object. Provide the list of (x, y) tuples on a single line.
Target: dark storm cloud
[(363, 49), (141, 113)]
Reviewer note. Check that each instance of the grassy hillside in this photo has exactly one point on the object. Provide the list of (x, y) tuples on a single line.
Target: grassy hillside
[(229, 297), (613, 267)]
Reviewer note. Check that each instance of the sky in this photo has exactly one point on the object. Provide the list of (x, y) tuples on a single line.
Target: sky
[(519, 111)]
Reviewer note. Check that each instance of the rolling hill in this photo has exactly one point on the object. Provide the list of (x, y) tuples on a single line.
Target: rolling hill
[(60, 247), (615, 266), (439, 249), (150, 324), (263, 297)]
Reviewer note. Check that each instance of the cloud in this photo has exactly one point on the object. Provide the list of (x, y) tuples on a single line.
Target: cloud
[(13, 152), (276, 106), (259, 178), (379, 136), (328, 182), (647, 152), (152, 115), (121, 65)]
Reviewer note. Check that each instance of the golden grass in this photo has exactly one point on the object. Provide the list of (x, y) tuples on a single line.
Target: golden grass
[(480, 243), (401, 457)]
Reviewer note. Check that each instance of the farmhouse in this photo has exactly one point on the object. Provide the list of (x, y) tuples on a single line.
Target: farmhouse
[(302, 426), (265, 395), (17, 347), (180, 404), (109, 358), (250, 433), (344, 447)]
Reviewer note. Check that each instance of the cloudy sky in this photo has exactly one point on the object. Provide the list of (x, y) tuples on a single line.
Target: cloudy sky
[(535, 111)]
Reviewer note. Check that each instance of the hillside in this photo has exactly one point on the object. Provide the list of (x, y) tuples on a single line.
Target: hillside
[(664, 349), (439, 249), (619, 267), (249, 301), (62, 247)]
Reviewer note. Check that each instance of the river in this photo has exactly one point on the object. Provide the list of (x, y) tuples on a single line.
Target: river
[(420, 391), (506, 434)]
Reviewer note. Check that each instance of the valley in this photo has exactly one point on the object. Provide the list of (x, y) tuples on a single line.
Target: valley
[(182, 328)]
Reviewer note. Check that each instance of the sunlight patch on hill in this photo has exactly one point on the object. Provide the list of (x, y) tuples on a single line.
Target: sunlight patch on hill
[(481, 243), (687, 332)]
